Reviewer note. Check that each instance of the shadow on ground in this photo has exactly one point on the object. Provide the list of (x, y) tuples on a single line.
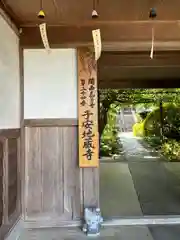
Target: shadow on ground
[(142, 184)]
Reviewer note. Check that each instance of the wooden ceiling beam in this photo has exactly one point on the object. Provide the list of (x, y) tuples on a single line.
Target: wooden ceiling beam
[(124, 36), (100, 23), (139, 59), (152, 73), (148, 83), (6, 13), (7, 9), (68, 12)]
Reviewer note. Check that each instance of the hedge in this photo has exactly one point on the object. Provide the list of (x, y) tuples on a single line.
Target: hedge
[(171, 150), (110, 143), (151, 125), (149, 128)]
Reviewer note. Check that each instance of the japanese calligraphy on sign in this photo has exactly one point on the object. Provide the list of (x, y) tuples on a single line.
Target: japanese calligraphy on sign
[(88, 118)]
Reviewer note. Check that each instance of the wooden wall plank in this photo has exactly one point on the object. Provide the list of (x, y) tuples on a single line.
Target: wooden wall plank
[(77, 188), (1, 182), (47, 151), (69, 176), (51, 122), (55, 182), (71, 184), (9, 179), (53, 173), (33, 171), (5, 182), (59, 183), (12, 175), (49, 154)]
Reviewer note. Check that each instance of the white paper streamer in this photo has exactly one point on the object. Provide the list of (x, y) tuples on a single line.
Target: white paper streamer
[(43, 32), (97, 43), (152, 44)]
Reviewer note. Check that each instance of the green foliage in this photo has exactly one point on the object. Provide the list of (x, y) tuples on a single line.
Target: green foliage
[(138, 97), (141, 97), (138, 129), (150, 130), (138, 118), (171, 123), (154, 142), (109, 140), (143, 115), (152, 124), (171, 150), (150, 127)]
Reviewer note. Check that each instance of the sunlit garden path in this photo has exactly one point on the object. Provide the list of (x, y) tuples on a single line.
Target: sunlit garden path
[(156, 181), (141, 183)]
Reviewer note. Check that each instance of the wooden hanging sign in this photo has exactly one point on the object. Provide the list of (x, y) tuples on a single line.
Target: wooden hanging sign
[(87, 110)]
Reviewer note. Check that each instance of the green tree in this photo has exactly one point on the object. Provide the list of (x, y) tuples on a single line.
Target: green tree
[(147, 97)]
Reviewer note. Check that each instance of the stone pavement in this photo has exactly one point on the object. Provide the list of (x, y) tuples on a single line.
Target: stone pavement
[(166, 232), (117, 194), (114, 233), (157, 182), (141, 183)]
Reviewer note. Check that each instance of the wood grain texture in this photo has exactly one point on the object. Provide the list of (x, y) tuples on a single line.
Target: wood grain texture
[(91, 186), (56, 189), (50, 122), (9, 179), (52, 182), (5, 182), (122, 36), (12, 175), (1, 182), (87, 109)]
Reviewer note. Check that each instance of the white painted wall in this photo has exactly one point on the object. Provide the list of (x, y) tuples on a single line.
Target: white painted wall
[(9, 77), (50, 84)]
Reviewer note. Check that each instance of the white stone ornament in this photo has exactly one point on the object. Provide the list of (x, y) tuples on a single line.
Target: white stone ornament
[(97, 43), (43, 32)]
